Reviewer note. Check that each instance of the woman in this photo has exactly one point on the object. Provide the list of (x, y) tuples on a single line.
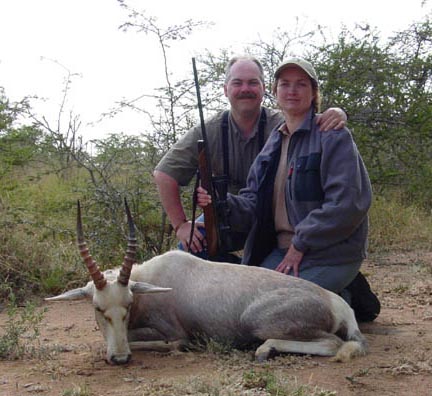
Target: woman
[(307, 194)]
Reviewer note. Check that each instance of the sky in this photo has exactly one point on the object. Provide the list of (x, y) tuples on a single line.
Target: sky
[(42, 41)]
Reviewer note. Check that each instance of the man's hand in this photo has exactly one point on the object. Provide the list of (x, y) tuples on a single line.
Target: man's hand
[(198, 240), (332, 118), (291, 261)]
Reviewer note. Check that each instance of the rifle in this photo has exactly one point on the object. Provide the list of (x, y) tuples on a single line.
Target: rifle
[(216, 214)]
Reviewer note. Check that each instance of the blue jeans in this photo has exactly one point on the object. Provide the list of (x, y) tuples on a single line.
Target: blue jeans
[(331, 277)]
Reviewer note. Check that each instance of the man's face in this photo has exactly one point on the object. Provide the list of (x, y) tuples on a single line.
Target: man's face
[(244, 89)]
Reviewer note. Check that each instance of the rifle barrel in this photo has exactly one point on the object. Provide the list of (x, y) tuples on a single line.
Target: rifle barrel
[(201, 115), (210, 218)]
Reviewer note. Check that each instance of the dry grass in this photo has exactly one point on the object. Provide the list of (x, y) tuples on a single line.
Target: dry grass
[(394, 226)]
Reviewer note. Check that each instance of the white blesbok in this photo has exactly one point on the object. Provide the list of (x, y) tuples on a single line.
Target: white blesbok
[(236, 304)]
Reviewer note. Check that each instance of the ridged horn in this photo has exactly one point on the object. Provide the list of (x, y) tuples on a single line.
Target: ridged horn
[(130, 257), (95, 273)]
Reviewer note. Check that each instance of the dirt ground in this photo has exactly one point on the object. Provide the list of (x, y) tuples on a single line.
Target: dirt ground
[(399, 362)]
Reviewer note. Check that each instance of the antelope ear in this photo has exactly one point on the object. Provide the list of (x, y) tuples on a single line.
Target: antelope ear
[(143, 287), (74, 294)]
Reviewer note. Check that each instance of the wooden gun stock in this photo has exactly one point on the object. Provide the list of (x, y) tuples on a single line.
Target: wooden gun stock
[(210, 218)]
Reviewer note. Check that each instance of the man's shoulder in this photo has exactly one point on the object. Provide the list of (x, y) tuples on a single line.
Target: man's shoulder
[(213, 125), (274, 117)]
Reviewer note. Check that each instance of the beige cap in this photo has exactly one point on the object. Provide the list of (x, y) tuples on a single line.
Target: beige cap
[(303, 64)]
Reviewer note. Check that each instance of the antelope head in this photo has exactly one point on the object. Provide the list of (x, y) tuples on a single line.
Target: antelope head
[(112, 298)]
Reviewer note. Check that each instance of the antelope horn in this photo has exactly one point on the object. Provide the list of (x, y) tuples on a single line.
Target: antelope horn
[(130, 257), (97, 276)]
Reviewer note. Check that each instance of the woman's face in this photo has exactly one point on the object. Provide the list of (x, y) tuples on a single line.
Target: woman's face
[(294, 91)]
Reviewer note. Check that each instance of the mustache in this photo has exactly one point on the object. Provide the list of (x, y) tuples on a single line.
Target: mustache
[(247, 95)]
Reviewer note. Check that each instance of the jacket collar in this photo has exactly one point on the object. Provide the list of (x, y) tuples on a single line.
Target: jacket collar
[(305, 126)]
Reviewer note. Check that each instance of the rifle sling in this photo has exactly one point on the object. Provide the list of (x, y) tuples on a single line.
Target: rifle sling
[(194, 207)]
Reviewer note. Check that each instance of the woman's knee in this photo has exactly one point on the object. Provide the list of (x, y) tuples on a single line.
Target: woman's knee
[(273, 259), (332, 277)]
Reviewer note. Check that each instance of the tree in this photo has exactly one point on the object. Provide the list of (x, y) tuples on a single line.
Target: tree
[(385, 88), (121, 168), (61, 137), (413, 48), (175, 101), (18, 144)]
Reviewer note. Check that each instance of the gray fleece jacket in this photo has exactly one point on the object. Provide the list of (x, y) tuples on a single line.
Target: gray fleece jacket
[(328, 194)]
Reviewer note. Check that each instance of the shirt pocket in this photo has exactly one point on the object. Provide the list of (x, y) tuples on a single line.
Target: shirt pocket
[(307, 185)]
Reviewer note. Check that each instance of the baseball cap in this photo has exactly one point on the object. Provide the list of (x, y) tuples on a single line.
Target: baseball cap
[(302, 63)]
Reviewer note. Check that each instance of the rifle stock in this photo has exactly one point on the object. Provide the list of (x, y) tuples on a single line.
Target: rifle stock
[(210, 217)]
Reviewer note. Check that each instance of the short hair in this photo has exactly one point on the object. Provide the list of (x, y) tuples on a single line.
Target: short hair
[(235, 59)]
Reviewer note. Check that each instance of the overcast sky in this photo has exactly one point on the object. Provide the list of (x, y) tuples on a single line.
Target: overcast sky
[(40, 39)]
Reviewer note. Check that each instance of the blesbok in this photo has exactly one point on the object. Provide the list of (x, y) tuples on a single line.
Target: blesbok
[(235, 304)]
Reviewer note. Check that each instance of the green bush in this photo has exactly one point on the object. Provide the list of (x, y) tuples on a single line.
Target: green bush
[(32, 265)]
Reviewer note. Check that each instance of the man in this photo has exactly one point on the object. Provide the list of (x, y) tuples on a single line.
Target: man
[(248, 127)]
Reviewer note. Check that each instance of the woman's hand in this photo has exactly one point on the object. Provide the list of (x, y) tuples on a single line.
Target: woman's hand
[(203, 197), (291, 261)]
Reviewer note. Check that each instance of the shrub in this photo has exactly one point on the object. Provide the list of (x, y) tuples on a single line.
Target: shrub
[(21, 330)]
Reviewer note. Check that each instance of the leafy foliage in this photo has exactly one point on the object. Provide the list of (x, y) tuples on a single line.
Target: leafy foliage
[(18, 145), (385, 89)]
